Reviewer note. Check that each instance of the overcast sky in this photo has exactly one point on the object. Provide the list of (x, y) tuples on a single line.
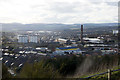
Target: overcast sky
[(58, 11)]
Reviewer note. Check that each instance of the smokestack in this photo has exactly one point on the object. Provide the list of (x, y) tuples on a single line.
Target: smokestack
[(81, 33)]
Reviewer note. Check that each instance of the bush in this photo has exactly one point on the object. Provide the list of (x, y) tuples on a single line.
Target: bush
[(5, 74), (38, 70)]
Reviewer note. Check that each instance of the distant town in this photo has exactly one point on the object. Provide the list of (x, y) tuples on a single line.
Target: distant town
[(22, 46), (60, 39)]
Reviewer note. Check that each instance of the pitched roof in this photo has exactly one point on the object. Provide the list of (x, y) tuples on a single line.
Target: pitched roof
[(64, 48)]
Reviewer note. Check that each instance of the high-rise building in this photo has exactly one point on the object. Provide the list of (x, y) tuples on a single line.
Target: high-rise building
[(115, 31), (33, 38), (23, 38)]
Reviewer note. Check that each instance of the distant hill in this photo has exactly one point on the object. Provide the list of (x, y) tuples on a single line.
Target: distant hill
[(42, 26)]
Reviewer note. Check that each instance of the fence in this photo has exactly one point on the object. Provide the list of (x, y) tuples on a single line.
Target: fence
[(109, 73)]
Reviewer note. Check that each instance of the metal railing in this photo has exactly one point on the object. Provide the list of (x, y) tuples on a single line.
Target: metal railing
[(109, 74)]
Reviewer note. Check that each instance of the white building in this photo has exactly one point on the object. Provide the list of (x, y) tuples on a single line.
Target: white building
[(61, 41), (33, 39), (27, 38), (93, 40), (115, 31), (23, 38)]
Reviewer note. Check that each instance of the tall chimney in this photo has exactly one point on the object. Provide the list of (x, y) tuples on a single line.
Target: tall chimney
[(81, 33)]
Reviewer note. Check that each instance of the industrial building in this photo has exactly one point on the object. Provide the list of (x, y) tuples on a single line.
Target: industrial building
[(61, 41), (93, 40), (68, 50)]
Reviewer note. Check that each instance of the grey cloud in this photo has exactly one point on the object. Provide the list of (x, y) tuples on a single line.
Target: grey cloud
[(112, 3), (59, 20), (63, 7)]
